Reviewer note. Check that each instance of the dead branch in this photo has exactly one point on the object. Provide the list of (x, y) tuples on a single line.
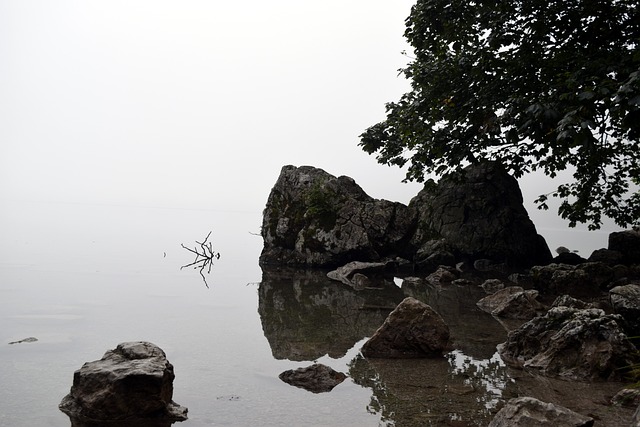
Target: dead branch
[(204, 257)]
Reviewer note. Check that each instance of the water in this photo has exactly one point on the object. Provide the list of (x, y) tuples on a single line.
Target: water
[(82, 278)]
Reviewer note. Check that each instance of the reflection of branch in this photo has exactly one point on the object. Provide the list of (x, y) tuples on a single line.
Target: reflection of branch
[(204, 257)]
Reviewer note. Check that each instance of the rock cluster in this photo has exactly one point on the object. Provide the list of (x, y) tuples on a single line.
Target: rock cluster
[(131, 385), (530, 412)]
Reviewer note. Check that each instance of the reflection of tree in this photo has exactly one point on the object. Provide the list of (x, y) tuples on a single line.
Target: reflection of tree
[(432, 392), (305, 315)]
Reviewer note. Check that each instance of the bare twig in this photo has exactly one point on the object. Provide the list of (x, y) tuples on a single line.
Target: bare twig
[(204, 257)]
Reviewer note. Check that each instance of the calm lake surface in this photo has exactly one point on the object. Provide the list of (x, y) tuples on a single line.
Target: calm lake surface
[(82, 278)]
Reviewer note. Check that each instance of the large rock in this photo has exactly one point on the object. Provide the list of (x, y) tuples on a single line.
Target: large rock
[(530, 412), (512, 303), (412, 330), (571, 344), (317, 378), (626, 302), (584, 280), (132, 383), (628, 244), (313, 218), (480, 214)]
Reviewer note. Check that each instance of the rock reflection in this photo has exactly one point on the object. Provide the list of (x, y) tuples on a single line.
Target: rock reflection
[(455, 390), (305, 315)]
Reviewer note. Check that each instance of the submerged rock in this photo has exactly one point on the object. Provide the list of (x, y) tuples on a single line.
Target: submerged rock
[(572, 344), (317, 378), (530, 412), (412, 330), (358, 274), (131, 384)]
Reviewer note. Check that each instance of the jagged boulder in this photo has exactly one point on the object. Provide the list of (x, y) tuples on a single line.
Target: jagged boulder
[(317, 378), (571, 344), (130, 385), (314, 219), (480, 214), (531, 412), (412, 330)]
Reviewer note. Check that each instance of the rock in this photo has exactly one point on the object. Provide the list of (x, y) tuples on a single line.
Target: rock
[(568, 258), (512, 303), (132, 383), (625, 301), (412, 330), (530, 412), (357, 274), (314, 219), (578, 280), (492, 286), (317, 378), (569, 301), (628, 244), (479, 212), (442, 275), (571, 344), (562, 250), (606, 256), (627, 397)]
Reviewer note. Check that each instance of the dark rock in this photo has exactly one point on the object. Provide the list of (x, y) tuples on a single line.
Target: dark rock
[(317, 378), (442, 275), (412, 330), (606, 256), (132, 383), (626, 302), (578, 280), (314, 219), (479, 212), (628, 244), (530, 412), (358, 274), (569, 301), (572, 344), (512, 303), (463, 282), (492, 286), (568, 258)]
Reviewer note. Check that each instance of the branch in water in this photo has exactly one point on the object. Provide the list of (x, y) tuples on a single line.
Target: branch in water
[(204, 257)]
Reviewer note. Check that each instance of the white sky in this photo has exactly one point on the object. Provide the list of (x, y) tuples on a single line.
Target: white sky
[(194, 103)]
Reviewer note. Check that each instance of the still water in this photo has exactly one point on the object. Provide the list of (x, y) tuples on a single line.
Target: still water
[(82, 278)]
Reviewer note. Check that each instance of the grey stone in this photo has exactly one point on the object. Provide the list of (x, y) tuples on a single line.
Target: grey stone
[(606, 256), (317, 378), (512, 303), (571, 344), (132, 383), (412, 330), (357, 274), (586, 279), (492, 286), (569, 301), (627, 397), (530, 412)]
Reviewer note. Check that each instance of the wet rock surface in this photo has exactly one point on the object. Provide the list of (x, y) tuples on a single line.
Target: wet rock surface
[(530, 412), (317, 378), (131, 385), (412, 330), (512, 303), (572, 344)]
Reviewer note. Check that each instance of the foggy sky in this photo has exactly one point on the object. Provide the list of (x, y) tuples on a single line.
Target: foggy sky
[(198, 104)]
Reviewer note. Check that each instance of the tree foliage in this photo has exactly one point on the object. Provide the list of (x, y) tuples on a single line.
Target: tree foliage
[(535, 85)]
